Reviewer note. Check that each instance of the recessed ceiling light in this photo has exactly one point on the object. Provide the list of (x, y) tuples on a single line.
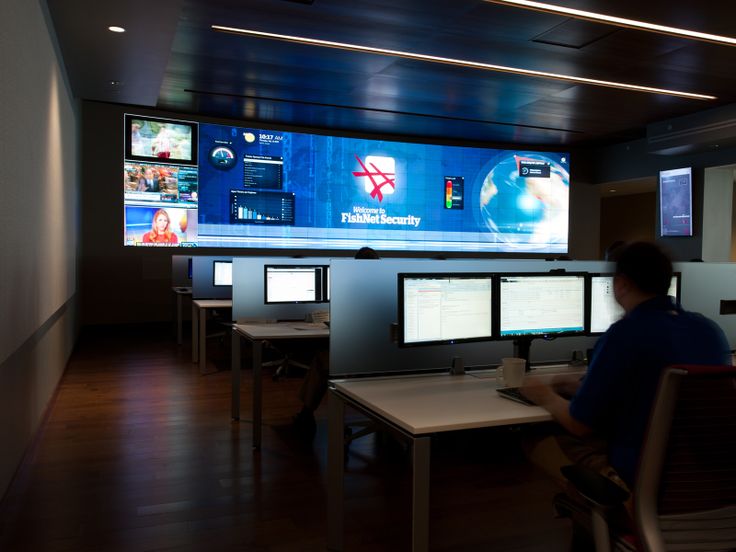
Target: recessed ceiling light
[(618, 21), (612, 191), (116, 29), (462, 63)]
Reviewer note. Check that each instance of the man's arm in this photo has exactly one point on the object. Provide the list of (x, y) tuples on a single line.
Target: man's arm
[(546, 397), (566, 385)]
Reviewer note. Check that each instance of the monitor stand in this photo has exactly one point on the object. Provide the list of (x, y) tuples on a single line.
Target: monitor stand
[(521, 349)]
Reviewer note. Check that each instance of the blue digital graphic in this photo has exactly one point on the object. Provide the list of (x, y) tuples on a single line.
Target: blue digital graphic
[(349, 192)]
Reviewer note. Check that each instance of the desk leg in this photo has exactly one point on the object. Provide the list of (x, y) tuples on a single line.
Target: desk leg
[(335, 472), (179, 339), (195, 332), (420, 494), (202, 340), (257, 393), (235, 375)]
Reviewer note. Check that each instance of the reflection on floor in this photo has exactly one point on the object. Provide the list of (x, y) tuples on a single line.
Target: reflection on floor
[(138, 453)]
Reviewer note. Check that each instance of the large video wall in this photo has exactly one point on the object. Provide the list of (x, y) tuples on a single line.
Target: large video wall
[(188, 184)]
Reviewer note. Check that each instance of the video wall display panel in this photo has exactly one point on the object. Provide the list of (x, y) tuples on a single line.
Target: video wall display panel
[(258, 188)]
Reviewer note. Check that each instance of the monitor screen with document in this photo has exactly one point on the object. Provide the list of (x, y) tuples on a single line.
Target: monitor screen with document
[(439, 308), (296, 284), (541, 305), (604, 310)]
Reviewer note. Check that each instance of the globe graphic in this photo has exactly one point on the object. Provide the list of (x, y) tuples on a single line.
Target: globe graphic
[(516, 208)]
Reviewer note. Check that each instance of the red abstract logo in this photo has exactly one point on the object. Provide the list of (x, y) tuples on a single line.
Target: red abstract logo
[(378, 172)]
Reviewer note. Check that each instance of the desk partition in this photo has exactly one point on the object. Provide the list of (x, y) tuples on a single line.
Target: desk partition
[(180, 275), (249, 288), (203, 279), (364, 305), (704, 286)]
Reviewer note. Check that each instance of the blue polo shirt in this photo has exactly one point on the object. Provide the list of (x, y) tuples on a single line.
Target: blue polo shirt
[(618, 390)]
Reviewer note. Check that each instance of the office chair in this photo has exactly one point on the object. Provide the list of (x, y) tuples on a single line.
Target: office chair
[(685, 490)]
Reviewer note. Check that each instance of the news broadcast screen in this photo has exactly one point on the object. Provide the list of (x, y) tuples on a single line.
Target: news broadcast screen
[(163, 140), (271, 189), (676, 202)]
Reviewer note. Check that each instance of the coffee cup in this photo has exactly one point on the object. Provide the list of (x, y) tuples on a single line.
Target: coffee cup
[(511, 372)]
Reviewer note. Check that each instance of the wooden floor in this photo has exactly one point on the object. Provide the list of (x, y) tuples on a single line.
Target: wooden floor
[(138, 453)]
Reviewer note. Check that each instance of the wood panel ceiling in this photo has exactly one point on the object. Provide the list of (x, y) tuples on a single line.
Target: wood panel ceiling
[(170, 58)]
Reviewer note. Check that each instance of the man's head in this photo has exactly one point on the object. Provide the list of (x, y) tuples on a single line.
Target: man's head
[(643, 271)]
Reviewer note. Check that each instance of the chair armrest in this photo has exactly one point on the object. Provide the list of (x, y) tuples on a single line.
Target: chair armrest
[(594, 488)]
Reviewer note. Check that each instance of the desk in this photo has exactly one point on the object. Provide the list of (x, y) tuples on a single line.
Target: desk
[(257, 334), (199, 327), (181, 292), (414, 407)]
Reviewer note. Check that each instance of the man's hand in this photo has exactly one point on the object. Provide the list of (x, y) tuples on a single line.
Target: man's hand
[(544, 395), (537, 391)]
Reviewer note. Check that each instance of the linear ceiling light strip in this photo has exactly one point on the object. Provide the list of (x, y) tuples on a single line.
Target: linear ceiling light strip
[(461, 63), (617, 21)]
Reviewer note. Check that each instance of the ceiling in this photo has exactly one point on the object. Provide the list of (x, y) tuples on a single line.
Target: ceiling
[(171, 59)]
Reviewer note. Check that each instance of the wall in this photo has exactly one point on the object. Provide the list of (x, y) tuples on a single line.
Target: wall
[(39, 218), (585, 221), (628, 218), (717, 203), (733, 225), (132, 285)]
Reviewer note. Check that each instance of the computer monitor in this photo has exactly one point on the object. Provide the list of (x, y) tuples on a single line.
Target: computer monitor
[(296, 284), (604, 310), (541, 305), (445, 308), (222, 273)]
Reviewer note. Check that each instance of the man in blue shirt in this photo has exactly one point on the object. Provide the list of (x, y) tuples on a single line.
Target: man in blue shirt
[(610, 406)]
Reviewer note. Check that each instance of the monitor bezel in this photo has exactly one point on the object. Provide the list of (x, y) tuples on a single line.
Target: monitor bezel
[(325, 294), (402, 276), (547, 336), (193, 125), (214, 283)]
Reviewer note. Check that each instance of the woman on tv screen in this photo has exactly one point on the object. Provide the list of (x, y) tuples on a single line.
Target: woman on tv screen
[(160, 231)]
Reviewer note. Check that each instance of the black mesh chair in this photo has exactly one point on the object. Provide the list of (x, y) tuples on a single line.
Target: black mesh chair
[(684, 495)]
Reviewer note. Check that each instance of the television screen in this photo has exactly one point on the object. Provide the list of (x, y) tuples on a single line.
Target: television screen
[(271, 189), (149, 183), (541, 304), (296, 284), (445, 308), (160, 140), (222, 273), (160, 226), (675, 202), (604, 310)]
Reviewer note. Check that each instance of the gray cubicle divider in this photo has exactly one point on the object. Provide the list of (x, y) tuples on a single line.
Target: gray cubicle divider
[(703, 286), (248, 290), (364, 304), (180, 271), (203, 279)]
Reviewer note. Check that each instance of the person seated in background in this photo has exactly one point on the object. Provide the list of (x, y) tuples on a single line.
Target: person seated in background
[(605, 413), (315, 383), (613, 250)]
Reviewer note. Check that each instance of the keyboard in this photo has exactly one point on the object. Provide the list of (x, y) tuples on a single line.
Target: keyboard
[(514, 394)]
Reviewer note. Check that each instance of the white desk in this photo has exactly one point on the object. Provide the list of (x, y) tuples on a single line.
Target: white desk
[(180, 292), (199, 327), (257, 334), (414, 408)]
